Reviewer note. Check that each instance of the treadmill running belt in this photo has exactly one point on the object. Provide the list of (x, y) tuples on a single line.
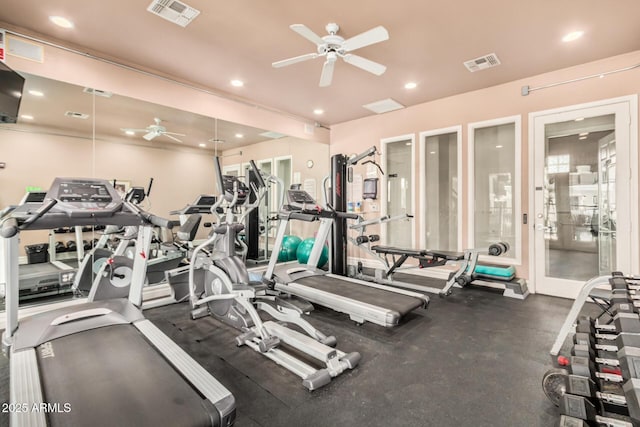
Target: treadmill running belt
[(111, 376), (403, 304)]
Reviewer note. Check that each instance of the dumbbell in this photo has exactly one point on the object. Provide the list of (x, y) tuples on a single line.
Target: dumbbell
[(580, 393), (624, 320), (497, 249), (86, 244), (71, 245), (370, 238), (60, 247)]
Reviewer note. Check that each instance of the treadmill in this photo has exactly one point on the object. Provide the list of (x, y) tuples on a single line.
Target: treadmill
[(362, 301), (46, 278), (99, 363)]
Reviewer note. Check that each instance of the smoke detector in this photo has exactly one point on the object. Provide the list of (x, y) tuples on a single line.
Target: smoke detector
[(173, 11), (483, 62)]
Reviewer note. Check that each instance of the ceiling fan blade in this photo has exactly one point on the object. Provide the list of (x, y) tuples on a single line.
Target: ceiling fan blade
[(293, 60), (327, 72), (133, 130), (305, 32), (150, 135), (365, 64), (374, 35), (173, 133), (172, 137)]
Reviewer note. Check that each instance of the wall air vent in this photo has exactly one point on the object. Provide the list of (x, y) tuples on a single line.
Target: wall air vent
[(173, 11), (483, 62), (76, 115), (98, 92)]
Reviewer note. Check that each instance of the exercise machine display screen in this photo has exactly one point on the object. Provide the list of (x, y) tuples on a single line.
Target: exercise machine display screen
[(205, 201), (228, 182), (300, 197), (86, 192)]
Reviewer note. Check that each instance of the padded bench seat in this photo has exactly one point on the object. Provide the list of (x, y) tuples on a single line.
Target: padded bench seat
[(448, 255), (391, 250)]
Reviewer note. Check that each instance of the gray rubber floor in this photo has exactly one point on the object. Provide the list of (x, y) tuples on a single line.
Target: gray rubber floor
[(472, 359)]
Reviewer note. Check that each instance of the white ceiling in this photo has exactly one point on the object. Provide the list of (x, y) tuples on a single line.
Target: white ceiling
[(429, 41)]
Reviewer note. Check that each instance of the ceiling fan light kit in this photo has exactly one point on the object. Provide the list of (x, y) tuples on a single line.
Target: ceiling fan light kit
[(333, 46)]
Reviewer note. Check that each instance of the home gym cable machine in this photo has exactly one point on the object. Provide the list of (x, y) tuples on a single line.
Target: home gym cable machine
[(341, 172)]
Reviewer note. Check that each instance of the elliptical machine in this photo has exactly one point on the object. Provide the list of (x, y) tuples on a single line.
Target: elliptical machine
[(231, 297)]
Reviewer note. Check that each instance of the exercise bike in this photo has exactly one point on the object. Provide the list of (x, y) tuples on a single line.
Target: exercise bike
[(228, 295)]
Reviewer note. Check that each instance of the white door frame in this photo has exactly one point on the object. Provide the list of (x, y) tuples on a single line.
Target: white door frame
[(423, 180), (517, 187), (383, 193), (632, 101)]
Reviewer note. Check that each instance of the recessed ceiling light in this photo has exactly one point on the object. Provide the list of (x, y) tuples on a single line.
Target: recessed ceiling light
[(574, 35), (202, 145), (36, 93), (129, 132), (584, 134), (411, 85), (498, 146), (26, 117), (61, 21), (239, 135), (318, 111), (583, 137), (579, 119), (237, 83)]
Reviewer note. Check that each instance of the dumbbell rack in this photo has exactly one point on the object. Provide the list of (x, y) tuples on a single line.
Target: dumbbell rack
[(599, 384)]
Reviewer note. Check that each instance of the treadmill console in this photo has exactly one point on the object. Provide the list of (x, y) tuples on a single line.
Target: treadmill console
[(84, 197), (299, 199)]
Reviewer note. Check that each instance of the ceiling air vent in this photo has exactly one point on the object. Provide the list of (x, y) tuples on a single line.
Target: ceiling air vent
[(98, 92), (174, 11), (76, 115), (384, 106), (273, 135), (486, 61)]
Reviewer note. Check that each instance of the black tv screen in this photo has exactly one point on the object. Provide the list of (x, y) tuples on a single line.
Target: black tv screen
[(11, 85)]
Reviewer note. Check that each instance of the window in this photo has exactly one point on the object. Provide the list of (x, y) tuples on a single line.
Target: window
[(494, 185), (558, 164), (440, 153)]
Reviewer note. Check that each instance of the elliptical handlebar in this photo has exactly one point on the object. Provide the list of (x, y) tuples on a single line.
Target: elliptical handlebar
[(256, 171), (149, 217)]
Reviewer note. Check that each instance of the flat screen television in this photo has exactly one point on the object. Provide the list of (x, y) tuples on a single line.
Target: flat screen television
[(11, 85)]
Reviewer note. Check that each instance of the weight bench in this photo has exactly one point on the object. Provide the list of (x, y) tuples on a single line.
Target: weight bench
[(426, 257)]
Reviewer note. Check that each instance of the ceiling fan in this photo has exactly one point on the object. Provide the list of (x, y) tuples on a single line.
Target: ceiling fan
[(332, 46), (155, 130)]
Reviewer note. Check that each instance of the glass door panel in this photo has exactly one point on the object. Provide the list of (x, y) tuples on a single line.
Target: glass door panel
[(575, 203)]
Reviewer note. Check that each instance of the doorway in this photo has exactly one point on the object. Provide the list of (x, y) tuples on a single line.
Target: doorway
[(585, 202)]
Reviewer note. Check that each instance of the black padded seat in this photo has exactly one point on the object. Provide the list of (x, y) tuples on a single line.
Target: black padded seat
[(391, 250), (448, 255)]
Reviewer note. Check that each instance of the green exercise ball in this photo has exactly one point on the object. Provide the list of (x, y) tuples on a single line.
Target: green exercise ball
[(289, 247), (304, 250)]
